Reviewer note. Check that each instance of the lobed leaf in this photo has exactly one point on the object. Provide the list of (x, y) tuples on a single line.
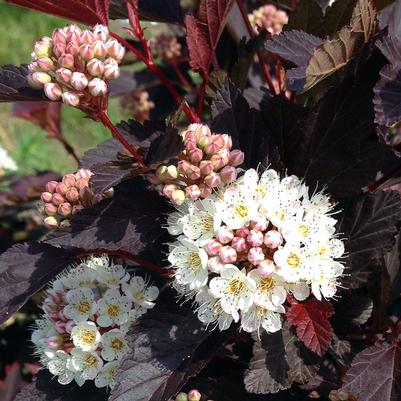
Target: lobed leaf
[(307, 17)]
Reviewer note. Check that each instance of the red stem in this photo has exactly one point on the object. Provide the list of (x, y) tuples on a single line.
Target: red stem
[(265, 68), (103, 117)]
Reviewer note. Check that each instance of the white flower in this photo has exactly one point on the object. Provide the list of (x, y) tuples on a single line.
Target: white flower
[(79, 276), (292, 262), (256, 317), (81, 304), (140, 293), (324, 279), (58, 365), (234, 288), (270, 293), (114, 345), (336, 248), (190, 262), (114, 308), (86, 365), (106, 376), (85, 336), (112, 275), (300, 290), (210, 311), (6, 163), (176, 220), (44, 329)]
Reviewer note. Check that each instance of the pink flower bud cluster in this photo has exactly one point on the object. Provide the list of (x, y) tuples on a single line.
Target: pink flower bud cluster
[(253, 244), (206, 162), (268, 17), (65, 198), (192, 395), (166, 47), (75, 65), (138, 104)]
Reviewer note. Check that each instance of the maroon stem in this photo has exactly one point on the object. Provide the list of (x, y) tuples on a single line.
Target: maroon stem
[(265, 68), (103, 117)]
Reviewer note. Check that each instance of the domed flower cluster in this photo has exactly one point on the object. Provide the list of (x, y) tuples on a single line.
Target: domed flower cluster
[(242, 250), (74, 65), (206, 162), (88, 310), (268, 17), (65, 198), (6, 162), (166, 47)]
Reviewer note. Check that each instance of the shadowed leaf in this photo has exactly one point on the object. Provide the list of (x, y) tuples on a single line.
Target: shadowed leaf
[(307, 17)]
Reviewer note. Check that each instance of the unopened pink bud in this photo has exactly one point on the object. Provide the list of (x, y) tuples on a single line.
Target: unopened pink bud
[(79, 81), (83, 173), (266, 267), (224, 234), (65, 209), (273, 239), (53, 343), (58, 199), (46, 196), (63, 75), (190, 136), (81, 184), (72, 28), (178, 197), (201, 130), (72, 48), (215, 264), (115, 50), (50, 209), (42, 47), (194, 395), (211, 148), (70, 99), (40, 79), (45, 63), (51, 186), (95, 67), (66, 61), (236, 158), (101, 32), (69, 326), (218, 162), (193, 192), (50, 222), (111, 72), (255, 238), (99, 49), (53, 91), (69, 180), (168, 190), (61, 188), (97, 87), (239, 244), (213, 247), (206, 167), (228, 174), (171, 172), (242, 232), (60, 327), (219, 141), (86, 52), (59, 36), (228, 142), (256, 255), (110, 61), (212, 180), (34, 67), (59, 49), (195, 155), (228, 254), (259, 223), (87, 37), (205, 190)]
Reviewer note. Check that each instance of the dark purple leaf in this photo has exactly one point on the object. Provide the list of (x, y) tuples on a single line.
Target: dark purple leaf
[(375, 373), (390, 47), (14, 85), (25, 269), (391, 18), (307, 17), (128, 221), (369, 225), (167, 347), (338, 15)]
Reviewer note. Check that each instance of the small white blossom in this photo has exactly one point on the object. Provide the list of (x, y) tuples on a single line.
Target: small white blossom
[(86, 365), (6, 162), (114, 308), (257, 316), (59, 365), (140, 293), (86, 336), (106, 376), (114, 345), (81, 304)]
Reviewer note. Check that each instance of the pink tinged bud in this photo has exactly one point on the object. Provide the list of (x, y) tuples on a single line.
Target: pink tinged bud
[(239, 244), (206, 167), (53, 343), (228, 142), (68, 346), (228, 174), (40, 79), (59, 49), (218, 162), (255, 238), (74, 37), (224, 235), (111, 72), (203, 141), (45, 64), (110, 61), (211, 148), (51, 186), (100, 32), (79, 81), (228, 254), (215, 264), (59, 36), (34, 67), (81, 184), (87, 37), (70, 99), (273, 239), (72, 49), (72, 195), (97, 87), (219, 141), (46, 196), (69, 326), (83, 173), (178, 197), (50, 222), (256, 255), (61, 188), (95, 67), (181, 397), (194, 395), (57, 199), (193, 192), (65, 209), (205, 190), (73, 28), (63, 75), (53, 91), (213, 247), (115, 50), (69, 180), (190, 136), (50, 209), (66, 61), (266, 267), (168, 190), (195, 155), (190, 145), (212, 180), (242, 232), (259, 223), (99, 49), (236, 158), (86, 52), (42, 48), (171, 172), (60, 327)]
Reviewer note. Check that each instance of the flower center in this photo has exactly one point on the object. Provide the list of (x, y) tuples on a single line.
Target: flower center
[(88, 337), (195, 260), (241, 210), (83, 306), (261, 190), (113, 310), (293, 260), (117, 344), (303, 230), (322, 250), (266, 284), (90, 360), (235, 286), (207, 223)]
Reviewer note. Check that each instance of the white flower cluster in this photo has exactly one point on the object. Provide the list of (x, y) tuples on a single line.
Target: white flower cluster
[(242, 250), (6, 162), (88, 310)]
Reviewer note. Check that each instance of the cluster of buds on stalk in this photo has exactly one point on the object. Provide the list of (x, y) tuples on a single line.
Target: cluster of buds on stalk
[(65, 198), (268, 18), (166, 47), (192, 395), (74, 66), (206, 162), (139, 104)]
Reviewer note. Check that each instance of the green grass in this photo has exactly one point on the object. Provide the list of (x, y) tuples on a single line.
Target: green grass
[(27, 143)]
